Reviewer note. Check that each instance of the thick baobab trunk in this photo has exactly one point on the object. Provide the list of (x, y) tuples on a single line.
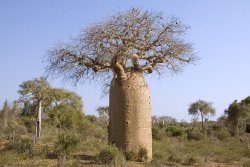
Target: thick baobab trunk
[(39, 119), (130, 114)]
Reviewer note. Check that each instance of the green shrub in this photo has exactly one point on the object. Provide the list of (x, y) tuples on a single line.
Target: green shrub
[(142, 154), (156, 134), (92, 118), (223, 135), (158, 156), (20, 145), (66, 144), (195, 135), (11, 131), (174, 131), (130, 155), (190, 161), (161, 124), (21, 129), (216, 127), (108, 155), (29, 122), (42, 151), (208, 132), (173, 158), (90, 144)]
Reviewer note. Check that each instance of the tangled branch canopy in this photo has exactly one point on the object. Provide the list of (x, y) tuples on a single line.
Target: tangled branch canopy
[(134, 40)]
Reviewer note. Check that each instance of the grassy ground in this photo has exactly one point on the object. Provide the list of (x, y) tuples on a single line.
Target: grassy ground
[(206, 152), (167, 152)]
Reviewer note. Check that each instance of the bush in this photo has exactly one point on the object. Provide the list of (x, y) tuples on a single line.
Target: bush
[(29, 122), (174, 131), (156, 134), (190, 161), (21, 129), (20, 145), (42, 151), (195, 135), (161, 124), (130, 155), (142, 154), (174, 159), (66, 144), (223, 135), (92, 118), (108, 155), (10, 132), (216, 127), (158, 156), (69, 119)]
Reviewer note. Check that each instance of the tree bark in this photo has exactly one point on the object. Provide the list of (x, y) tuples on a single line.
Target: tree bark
[(236, 129), (39, 119), (130, 114), (202, 121)]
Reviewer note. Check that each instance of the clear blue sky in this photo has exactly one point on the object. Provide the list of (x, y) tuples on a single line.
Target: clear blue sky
[(220, 31)]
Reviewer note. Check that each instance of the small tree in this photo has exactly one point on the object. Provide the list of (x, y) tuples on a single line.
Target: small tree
[(236, 111), (35, 91), (201, 108)]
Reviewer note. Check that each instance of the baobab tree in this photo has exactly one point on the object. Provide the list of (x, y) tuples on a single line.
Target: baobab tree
[(201, 108), (121, 49), (38, 95), (35, 91)]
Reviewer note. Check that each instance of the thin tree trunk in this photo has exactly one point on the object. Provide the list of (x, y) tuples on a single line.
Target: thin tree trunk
[(5, 115), (202, 121), (39, 119)]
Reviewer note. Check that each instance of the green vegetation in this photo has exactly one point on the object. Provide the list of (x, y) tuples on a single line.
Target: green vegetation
[(201, 108), (33, 94), (237, 111), (174, 131), (142, 154), (71, 138), (109, 155), (65, 146)]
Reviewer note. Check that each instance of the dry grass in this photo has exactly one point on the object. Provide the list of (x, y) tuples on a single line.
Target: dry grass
[(173, 152), (169, 151)]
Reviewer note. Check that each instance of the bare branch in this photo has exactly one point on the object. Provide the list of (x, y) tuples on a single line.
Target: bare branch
[(134, 40)]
